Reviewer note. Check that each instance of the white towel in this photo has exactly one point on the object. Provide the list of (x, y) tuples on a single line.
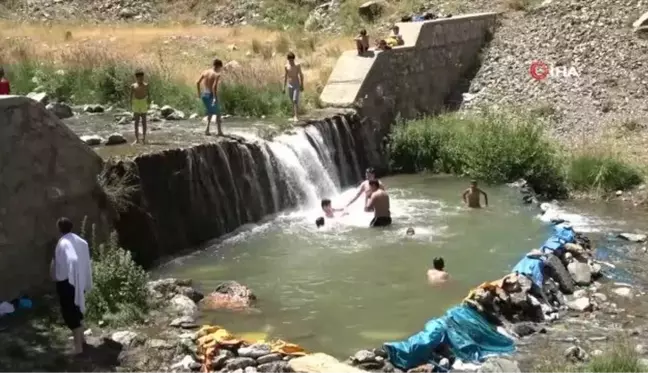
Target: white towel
[(72, 263)]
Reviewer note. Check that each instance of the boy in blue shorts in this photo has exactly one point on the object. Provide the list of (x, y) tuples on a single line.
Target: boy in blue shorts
[(207, 86)]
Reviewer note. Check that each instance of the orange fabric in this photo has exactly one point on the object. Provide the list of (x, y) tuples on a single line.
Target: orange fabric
[(490, 285), (211, 338)]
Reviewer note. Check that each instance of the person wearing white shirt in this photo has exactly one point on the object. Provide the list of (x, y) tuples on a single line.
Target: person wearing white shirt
[(72, 271)]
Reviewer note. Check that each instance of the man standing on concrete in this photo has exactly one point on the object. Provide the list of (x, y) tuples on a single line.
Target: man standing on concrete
[(72, 271)]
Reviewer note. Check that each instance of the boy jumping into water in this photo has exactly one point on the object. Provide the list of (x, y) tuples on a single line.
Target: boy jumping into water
[(293, 82), (207, 86), (472, 195), (140, 102)]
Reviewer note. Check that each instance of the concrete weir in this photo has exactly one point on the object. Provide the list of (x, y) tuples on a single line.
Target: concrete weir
[(187, 196)]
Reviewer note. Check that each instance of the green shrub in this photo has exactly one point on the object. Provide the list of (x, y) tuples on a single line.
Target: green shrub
[(491, 146), (602, 172), (119, 293), (621, 358), (109, 84)]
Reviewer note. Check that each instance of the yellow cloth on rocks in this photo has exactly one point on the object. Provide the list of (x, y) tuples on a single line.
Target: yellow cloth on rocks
[(489, 286), (211, 338)]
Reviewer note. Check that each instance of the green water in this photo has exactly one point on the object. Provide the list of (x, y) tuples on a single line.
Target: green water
[(349, 287)]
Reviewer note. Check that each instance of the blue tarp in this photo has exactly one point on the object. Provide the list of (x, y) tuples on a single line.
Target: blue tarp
[(469, 336), (565, 233), (553, 243), (531, 267)]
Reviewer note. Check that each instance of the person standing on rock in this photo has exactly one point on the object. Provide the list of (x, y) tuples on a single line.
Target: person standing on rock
[(71, 269), (140, 103), (370, 174), (207, 86), (5, 87), (293, 82), (378, 202)]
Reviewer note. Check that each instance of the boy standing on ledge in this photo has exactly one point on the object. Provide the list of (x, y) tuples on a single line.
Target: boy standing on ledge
[(207, 86), (140, 102), (293, 82)]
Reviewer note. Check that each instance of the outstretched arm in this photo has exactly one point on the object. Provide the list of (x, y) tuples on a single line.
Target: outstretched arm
[(356, 196), (485, 197)]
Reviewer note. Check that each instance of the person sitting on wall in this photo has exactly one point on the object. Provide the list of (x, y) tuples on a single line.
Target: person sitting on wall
[(395, 39), (362, 42), (382, 45)]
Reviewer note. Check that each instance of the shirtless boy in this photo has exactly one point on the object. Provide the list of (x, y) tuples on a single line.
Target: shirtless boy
[(379, 203), (437, 275), (472, 195), (140, 102), (329, 211), (362, 42), (370, 174), (207, 86), (293, 82)]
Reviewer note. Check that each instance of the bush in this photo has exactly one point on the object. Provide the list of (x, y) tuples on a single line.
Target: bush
[(119, 292), (109, 84), (491, 146), (621, 358), (601, 172)]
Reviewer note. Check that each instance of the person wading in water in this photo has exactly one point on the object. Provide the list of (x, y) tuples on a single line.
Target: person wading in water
[(378, 202), (370, 175), (472, 195)]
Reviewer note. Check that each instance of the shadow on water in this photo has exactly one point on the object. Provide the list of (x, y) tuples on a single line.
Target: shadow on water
[(37, 340)]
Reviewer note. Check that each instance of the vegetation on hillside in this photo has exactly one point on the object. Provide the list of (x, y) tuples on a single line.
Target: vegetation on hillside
[(499, 147), (620, 358), (96, 64)]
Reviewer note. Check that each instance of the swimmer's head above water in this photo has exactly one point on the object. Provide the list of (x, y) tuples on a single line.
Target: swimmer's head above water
[(319, 222), (438, 264), (326, 203), (410, 231), (370, 174)]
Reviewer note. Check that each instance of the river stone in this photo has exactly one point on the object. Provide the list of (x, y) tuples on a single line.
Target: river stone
[(499, 365), (93, 108), (580, 272), (116, 139), (363, 356), (580, 293), (92, 140), (183, 305), (580, 304), (371, 365), (186, 322), (41, 97), (250, 370), (633, 237), (274, 367), (220, 360), (320, 363), (600, 297), (61, 110), (269, 358), (240, 363), (166, 111), (159, 344), (575, 354), (187, 363), (125, 337), (623, 292), (255, 351), (190, 292)]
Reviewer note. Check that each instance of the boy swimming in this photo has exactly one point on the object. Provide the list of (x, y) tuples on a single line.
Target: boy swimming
[(319, 222), (329, 211), (140, 102), (410, 231)]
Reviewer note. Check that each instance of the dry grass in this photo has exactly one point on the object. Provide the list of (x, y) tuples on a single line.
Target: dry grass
[(181, 52)]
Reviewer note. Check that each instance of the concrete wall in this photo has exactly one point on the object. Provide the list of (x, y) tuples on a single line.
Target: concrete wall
[(46, 172), (418, 78)]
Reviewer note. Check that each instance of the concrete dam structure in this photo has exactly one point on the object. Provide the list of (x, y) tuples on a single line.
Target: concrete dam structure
[(188, 196)]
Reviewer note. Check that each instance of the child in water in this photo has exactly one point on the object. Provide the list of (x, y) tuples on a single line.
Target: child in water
[(329, 211), (319, 222), (410, 231)]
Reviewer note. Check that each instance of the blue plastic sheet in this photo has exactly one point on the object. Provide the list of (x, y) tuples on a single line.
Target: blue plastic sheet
[(531, 267), (564, 233), (468, 335)]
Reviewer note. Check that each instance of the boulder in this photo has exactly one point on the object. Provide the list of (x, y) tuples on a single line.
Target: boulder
[(167, 111), (580, 272), (47, 172), (125, 338), (221, 359), (623, 292), (184, 306), (580, 304), (371, 9), (116, 139), (185, 322), (61, 110), (576, 354), (93, 109), (255, 351), (320, 363), (187, 363), (229, 295), (499, 365), (274, 367), (269, 358), (633, 237), (41, 97), (240, 363), (92, 140)]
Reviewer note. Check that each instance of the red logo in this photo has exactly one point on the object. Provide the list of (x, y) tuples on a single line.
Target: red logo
[(538, 70)]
